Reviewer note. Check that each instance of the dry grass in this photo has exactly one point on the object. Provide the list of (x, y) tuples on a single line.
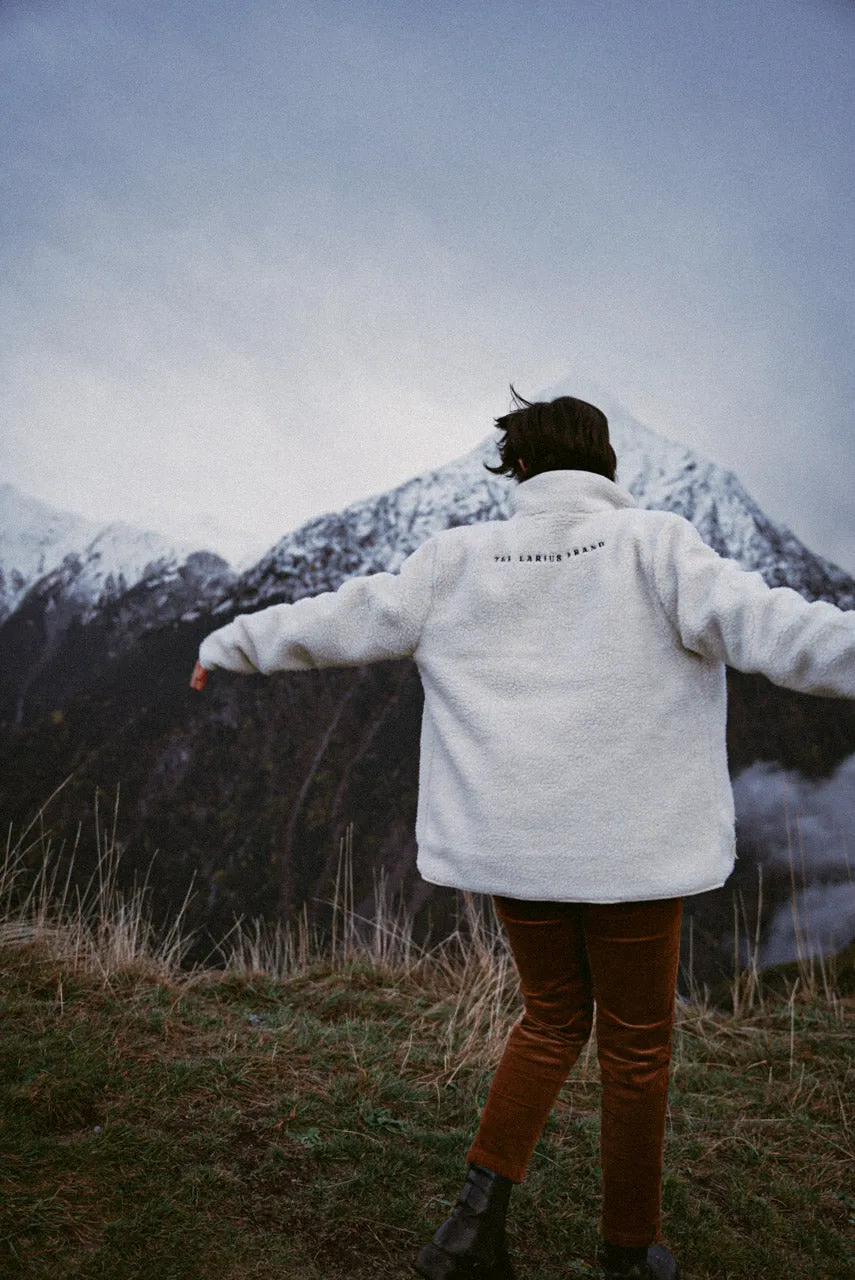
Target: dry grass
[(100, 930)]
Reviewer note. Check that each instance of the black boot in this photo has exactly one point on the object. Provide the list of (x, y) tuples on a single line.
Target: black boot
[(654, 1262), (470, 1245)]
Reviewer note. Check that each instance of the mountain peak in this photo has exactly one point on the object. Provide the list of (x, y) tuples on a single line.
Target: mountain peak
[(37, 539)]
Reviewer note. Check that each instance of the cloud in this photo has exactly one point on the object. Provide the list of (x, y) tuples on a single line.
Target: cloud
[(795, 820), (821, 922), (809, 827)]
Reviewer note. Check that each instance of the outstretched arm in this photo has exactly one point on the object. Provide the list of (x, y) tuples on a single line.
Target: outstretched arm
[(368, 619), (723, 611)]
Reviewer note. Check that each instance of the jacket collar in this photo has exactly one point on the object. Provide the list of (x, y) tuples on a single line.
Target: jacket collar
[(568, 492)]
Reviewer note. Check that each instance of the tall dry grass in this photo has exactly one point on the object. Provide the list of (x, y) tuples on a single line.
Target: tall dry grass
[(101, 930)]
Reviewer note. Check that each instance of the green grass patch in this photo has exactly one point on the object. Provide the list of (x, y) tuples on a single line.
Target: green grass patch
[(315, 1128)]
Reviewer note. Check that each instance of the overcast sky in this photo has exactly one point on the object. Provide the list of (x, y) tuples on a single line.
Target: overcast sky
[(259, 260)]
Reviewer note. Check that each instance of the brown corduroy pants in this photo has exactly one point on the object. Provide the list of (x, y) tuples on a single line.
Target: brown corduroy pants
[(624, 955)]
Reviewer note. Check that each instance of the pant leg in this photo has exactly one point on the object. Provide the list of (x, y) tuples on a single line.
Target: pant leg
[(548, 945), (633, 949)]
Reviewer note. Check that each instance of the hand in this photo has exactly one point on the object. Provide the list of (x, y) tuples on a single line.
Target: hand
[(198, 678)]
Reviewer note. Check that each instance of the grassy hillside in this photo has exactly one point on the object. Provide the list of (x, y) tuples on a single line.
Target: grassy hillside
[(300, 1113)]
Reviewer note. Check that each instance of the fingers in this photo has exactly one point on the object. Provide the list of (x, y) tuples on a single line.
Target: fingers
[(199, 677)]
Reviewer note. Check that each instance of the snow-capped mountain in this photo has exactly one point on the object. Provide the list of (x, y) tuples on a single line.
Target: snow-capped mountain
[(93, 564), (34, 538), (668, 476), (379, 532)]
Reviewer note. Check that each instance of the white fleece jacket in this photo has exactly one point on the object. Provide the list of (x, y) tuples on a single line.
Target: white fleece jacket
[(573, 663)]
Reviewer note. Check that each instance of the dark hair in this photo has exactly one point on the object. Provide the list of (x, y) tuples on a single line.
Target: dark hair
[(554, 435)]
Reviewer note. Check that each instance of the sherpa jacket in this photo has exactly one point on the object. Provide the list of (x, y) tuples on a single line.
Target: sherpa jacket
[(573, 663)]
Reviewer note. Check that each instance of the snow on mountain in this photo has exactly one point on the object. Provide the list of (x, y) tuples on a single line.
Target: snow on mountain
[(93, 564), (34, 538), (379, 532), (668, 476)]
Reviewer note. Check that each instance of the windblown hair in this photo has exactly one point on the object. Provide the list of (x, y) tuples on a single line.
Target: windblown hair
[(554, 435)]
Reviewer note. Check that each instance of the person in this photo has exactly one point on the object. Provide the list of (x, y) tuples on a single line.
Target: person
[(573, 766)]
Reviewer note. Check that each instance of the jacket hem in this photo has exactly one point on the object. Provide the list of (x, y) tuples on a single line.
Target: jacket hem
[(551, 897)]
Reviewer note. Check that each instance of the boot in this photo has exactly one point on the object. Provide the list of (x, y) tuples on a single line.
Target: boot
[(470, 1245), (627, 1263)]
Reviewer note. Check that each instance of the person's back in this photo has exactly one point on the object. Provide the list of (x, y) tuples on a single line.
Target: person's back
[(560, 701)]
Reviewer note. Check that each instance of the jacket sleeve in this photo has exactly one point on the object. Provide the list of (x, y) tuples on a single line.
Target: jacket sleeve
[(368, 619), (725, 612)]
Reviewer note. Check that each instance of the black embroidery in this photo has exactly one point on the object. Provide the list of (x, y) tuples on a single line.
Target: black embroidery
[(549, 557)]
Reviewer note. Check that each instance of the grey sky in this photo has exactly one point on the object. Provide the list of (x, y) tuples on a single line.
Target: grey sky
[(262, 260)]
